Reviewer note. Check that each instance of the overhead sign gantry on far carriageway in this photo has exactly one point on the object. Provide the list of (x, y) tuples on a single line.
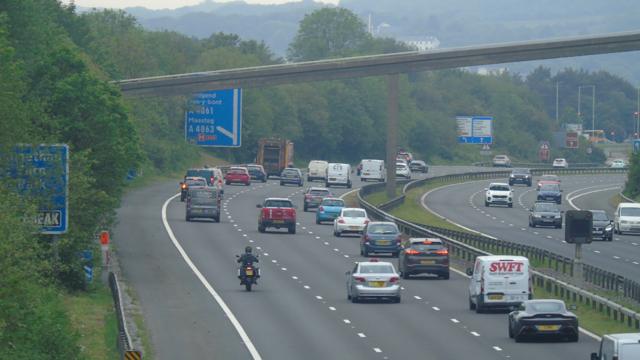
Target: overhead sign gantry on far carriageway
[(375, 65)]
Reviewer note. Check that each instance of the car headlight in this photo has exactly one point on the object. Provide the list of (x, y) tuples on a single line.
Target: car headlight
[(512, 175), (537, 216), (558, 216), (608, 227)]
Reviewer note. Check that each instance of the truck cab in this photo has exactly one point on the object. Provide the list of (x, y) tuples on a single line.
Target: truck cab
[(277, 213)]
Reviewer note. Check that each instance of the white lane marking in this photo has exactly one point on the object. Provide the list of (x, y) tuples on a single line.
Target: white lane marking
[(274, 261), (417, 297), (616, 257), (317, 237), (362, 335), (455, 321), (234, 225), (318, 297), (377, 350), (250, 241), (536, 233), (336, 250), (596, 251), (549, 237), (326, 243), (347, 256), (332, 308), (245, 235), (475, 333), (634, 244), (304, 228), (258, 247), (294, 277), (435, 308), (497, 348), (283, 269), (346, 321), (310, 232), (570, 199), (307, 287), (234, 321), (523, 229)]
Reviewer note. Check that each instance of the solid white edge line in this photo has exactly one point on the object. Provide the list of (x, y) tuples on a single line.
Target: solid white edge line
[(570, 200), (234, 321)]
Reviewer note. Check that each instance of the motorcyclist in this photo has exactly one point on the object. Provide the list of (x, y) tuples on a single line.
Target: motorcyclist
[(247, 259)]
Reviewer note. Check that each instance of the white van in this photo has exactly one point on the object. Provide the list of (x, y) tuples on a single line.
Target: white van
[(317, 170), (499, 282), (338, 174), (618, 347), (626, 218), (373, 170)]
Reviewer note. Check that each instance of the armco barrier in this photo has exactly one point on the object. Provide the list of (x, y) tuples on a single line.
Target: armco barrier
[(467, 246), (124, 340)]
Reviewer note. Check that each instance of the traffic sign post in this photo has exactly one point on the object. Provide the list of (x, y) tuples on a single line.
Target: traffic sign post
[(215, 119), (475, 129), (571, 140), (41, 173)]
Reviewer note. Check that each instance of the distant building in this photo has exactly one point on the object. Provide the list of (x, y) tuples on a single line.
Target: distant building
[(422, 44), (491, 71)]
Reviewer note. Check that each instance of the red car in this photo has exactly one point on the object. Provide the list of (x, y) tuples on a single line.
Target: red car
[(237, 175), (548, 179), (277, 213)]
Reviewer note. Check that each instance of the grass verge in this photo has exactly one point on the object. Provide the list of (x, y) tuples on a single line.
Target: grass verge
[(93, 316)]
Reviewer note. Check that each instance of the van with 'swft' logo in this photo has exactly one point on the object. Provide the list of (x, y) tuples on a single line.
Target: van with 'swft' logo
[(499, 282)]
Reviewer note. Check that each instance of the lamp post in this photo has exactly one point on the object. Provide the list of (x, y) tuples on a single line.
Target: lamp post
[(593, 106)]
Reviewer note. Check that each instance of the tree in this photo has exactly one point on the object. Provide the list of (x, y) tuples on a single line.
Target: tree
[(329, 33)]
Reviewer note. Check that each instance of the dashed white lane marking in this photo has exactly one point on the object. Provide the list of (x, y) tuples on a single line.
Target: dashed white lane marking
[(332, 308), (417, 297), (317, 237), (283, 269), (455, 321), (304, 228), (294, 277), (510, 224), (549, 237), (274, 261), (307, 287), (475, 333), (616, 257), (326, 243), (234, 225), (362, 335), (523, 229), (346, 321), (310, 232), (635, 263), (336, 250), (250, 241), (240, 230), (497, 348), (318, 297), (377, 350), (258, 247), (255, 355), (347, 256), (435, 308), (596, 251)]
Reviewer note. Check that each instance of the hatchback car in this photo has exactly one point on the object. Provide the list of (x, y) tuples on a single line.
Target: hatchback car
[(237, 175), (380, 237), (543, 319), (329, 209), (548, 179), (424, 256), (501, 160), (560, 163), (202, 202), (350, 221), (314, 195), (419, 166), (402, 170), (291, 176), (545, 213), (257, 172), (498, 194), (602, 226), (618, 164), (550, 192), (520, 176), (373, 279)]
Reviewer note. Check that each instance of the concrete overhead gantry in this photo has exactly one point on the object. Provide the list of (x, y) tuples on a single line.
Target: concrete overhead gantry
[(375, 65)]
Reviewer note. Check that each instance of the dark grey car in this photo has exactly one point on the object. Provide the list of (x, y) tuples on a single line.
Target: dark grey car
[(602, 225), (203, 202), (545, 214)]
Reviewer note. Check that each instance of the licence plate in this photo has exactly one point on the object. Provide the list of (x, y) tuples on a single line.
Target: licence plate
[(547, 327), (366, 173), (278, 221), (353, 227), (249, 272), (427, 262), (495, 297), (382, 242), (376, 283)]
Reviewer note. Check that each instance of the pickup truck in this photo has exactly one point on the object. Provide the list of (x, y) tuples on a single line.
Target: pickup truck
[(278, 213)]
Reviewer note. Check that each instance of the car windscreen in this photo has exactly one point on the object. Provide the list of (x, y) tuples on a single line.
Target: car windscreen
[(254, 169), (278, 203), (206, 174), (630, 212), (194, 182), (546, 207), (424, 247), (236, 171), (549, 187), (319, 192), (332, 202), (202, 196), (382, 229), (376, 269), (353, 213), (499, 188), (600, 216), (289, 173), (545, 307)]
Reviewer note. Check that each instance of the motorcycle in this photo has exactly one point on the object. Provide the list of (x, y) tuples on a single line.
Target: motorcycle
[(183, 191), (248, 275)]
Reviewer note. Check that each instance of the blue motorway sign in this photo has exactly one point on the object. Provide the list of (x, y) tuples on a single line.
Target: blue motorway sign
[(215, 119), (41, 172), (475, 129)]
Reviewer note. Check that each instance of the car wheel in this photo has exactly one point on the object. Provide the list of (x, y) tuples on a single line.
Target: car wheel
[(472, 305), (486, 204), (574, 338), (292, 229), (300, 184), (217, 219), (559, 226), (354, 299), (318, 221), (479, 309), (610, 238), (445, 276), (510, 331), (397, 299), (511, 205), (187, 217), (261, 229), (349, 185), (405, 274), (326, 185), (281, 183), (517, 338), (337, 234), (305, 208)]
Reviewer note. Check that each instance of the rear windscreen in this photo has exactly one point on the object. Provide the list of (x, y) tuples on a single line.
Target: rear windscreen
[(333, 203), (425, 247), (499, 188), (376, 269), (543, 307), (319, 192), (382, 229), (629, 351), (206, 174), (353, 213), (278, 203), (202, 196)]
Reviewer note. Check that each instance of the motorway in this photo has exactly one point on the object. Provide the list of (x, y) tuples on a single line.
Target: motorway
[(464, 205), (195, 308)]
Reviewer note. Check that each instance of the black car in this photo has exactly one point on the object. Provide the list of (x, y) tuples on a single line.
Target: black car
[(256, 172), (546, 214), (602, 225), (291, 176), (188, 183), (424, 256), (520, 176), (419, 166), (202, 202), (543, 319), (550, 192)]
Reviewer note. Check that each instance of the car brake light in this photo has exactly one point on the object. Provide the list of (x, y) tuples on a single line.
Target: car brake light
[(412, 252), (442, 252), (394, 279), (321, 208), (373, 260), (359, 279), (340, 221), (213, 180)]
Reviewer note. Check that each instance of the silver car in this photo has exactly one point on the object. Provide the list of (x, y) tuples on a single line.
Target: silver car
[(373, 279)]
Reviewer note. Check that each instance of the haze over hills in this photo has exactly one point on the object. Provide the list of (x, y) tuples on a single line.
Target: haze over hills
[(453, 23)]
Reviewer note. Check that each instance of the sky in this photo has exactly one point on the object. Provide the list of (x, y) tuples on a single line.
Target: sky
[(167, 4)]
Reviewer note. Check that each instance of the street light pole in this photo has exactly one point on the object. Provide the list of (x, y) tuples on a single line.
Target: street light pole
[(593, 107), (557, 101), (638, 115)]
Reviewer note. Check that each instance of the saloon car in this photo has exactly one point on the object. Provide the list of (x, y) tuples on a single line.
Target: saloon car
[(350, 221), (374, 280)]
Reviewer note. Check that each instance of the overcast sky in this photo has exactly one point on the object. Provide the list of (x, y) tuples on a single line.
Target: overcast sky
[(167, 4)]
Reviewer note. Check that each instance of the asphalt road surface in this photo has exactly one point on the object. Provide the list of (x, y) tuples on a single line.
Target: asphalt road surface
[(299, 310)]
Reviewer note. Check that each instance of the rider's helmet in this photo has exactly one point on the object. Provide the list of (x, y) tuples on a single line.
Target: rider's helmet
[(248, 250)]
